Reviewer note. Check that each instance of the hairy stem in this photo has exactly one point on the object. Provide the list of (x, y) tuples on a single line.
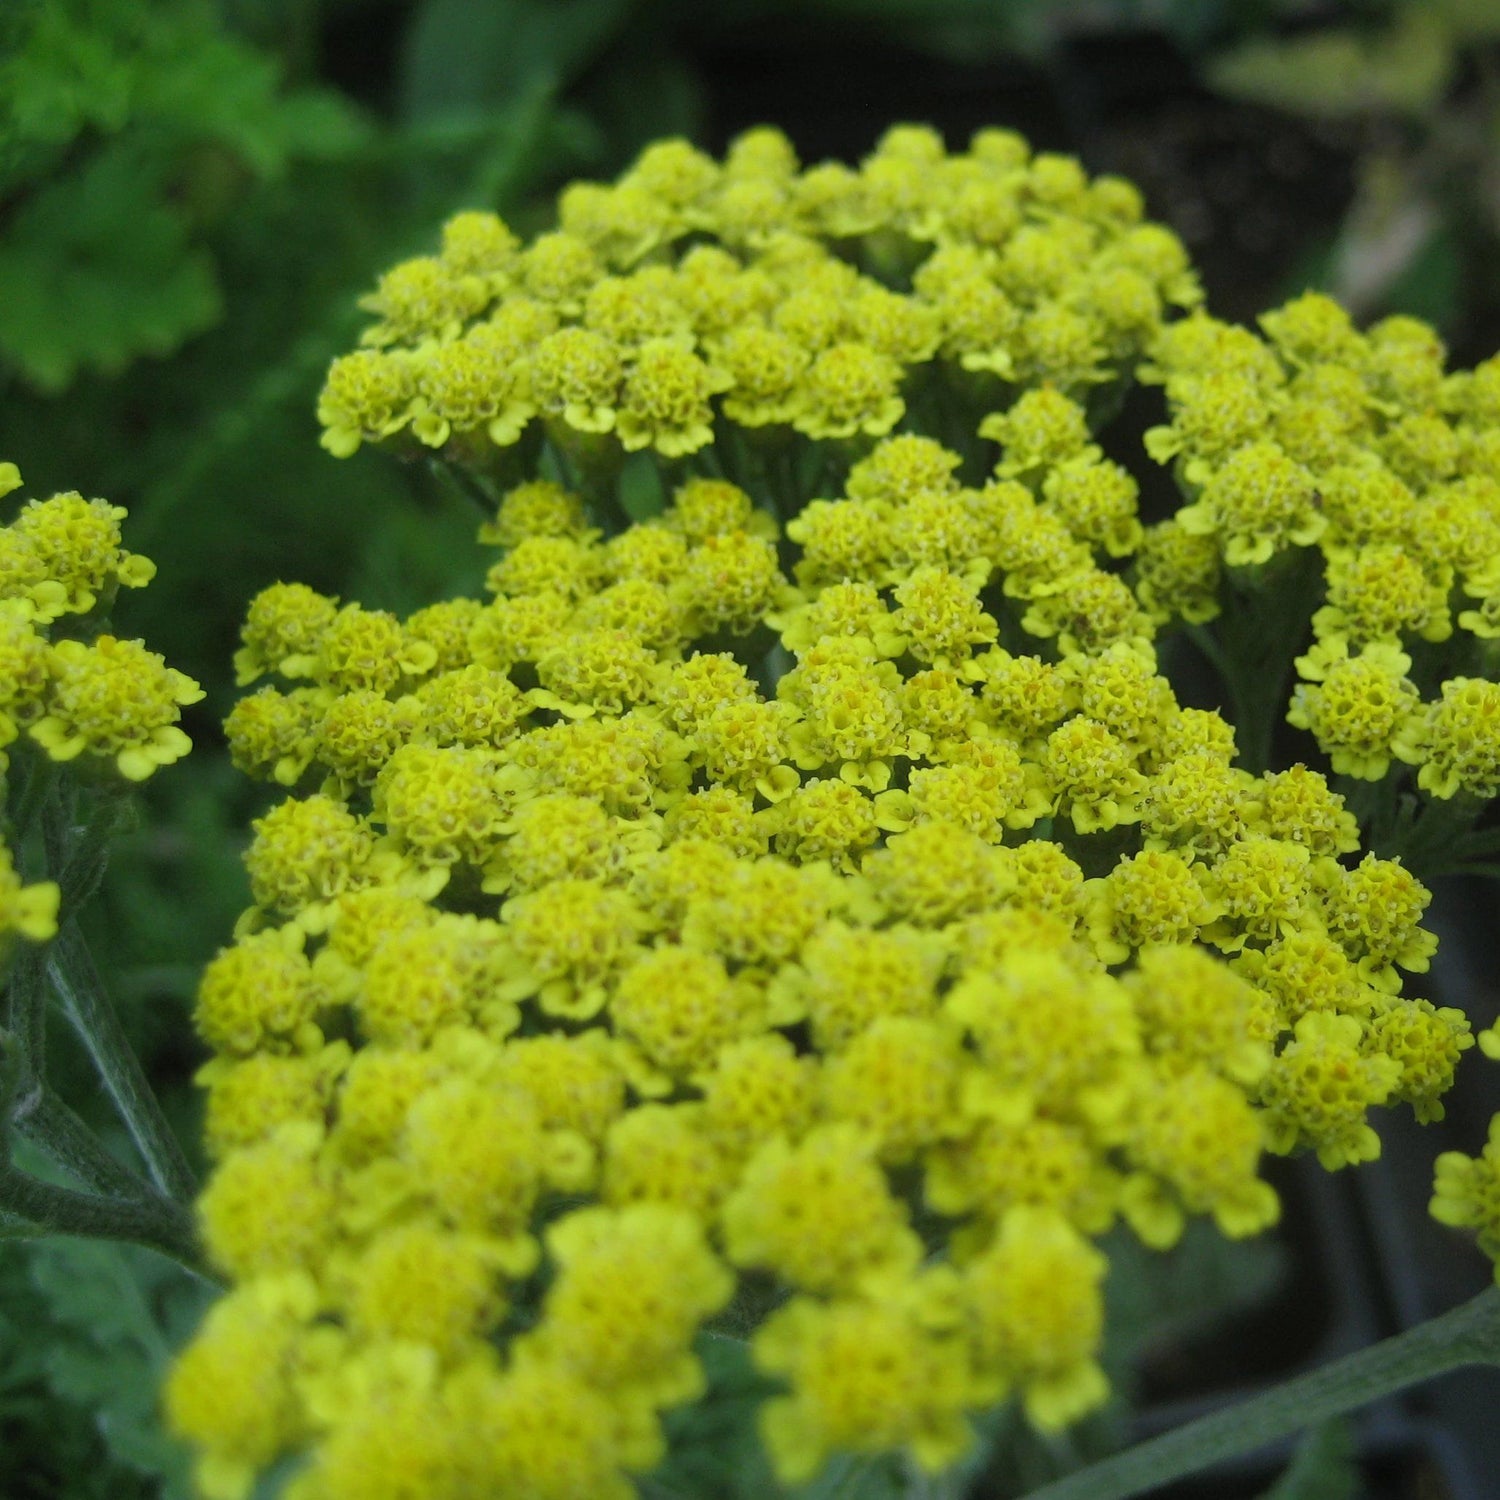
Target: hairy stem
[(26, 1016), (88, 1010), (29, 1207), (1467, 1335), (43, 1119)]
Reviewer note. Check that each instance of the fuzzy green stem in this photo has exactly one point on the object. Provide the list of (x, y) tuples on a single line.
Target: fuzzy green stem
[(1253, 644), (35, 785), (44, 1120), (1467, 1335), (467, 484), (26, 1015), (70, 968), (88, 853), (31, 1208)]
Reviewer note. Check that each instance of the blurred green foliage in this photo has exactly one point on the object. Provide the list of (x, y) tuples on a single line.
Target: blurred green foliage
[(1418, 84), (125, 128)]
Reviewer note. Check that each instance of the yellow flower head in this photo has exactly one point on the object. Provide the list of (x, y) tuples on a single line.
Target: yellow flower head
[(445, 805), (1037, 1315), (423, 1284), (575, 375), (305, 852), (466, 387), (570, 939), (30, 910), (680, 1007), (820, 1214), (268, 1208), (898, 1081), (1466, 1192), (1257, 503), (935, 872), (76, 546), (849, 389), (255, 994), (665, 402), (1198, 1136), (1094, 775), (284, 627), (1317, 1090), (730, 582), (1359, 709), (632, 1287), (660, 1153), (1043, 428), (367, 396), (1456, 741), (759, 1089), (231, 1392), (865, 1377), (116, 700), (273, 735)]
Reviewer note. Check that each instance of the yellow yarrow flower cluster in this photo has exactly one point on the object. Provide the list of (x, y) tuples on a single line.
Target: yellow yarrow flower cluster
[(82, 694), (596, 968), (1361, 450), (795, 304), (817, 885), (108, 706)]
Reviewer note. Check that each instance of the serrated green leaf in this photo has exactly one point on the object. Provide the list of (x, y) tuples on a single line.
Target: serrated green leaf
[(714, 1450), (96, 269), (62, 75), (848, 1478), (1323, 1468), (116, 1312)]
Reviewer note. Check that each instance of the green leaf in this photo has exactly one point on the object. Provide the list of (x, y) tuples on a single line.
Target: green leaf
[(1343, 71), (96, 269), (62, 74), (210, 87), (1323, 1468), (714, 1450), (460, 56), (715, 1453), (117, 1314)]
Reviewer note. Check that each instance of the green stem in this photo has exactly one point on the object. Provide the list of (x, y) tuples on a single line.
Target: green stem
[(466, 484), (57, 825), (1254, 642), (34, 789), (26, 1014), (42, 1118), (31, 1208), (1467, 1335), (84, 1002), (88, 856)]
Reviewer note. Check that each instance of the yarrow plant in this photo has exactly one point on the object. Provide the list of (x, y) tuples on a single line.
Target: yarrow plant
[(84, 717), (793, 903)]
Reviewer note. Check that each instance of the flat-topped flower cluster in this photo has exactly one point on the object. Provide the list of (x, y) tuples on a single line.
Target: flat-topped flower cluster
[(693, 289), (109, 708), (833, 923), (1318, 439)]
